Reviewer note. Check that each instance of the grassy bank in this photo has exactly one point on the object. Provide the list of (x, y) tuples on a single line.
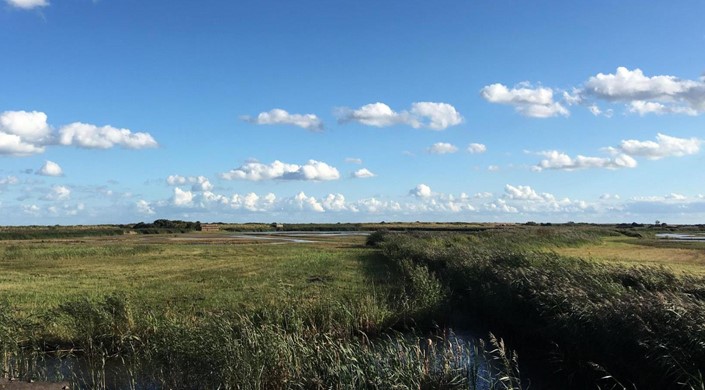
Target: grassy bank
[(596, 323)]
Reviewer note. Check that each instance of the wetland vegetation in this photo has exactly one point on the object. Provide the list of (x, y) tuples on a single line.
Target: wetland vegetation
[(585, 307)]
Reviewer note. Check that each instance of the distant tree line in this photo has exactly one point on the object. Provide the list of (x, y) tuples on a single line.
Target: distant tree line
[(161, 226)]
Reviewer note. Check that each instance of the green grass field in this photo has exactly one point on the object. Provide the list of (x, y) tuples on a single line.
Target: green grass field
[(196, 272)]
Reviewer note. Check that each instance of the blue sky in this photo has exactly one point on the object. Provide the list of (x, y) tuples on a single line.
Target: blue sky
[(127, 111)]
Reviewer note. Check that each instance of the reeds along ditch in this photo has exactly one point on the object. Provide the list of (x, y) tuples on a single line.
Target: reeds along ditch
[(104, 344), (605, 325)]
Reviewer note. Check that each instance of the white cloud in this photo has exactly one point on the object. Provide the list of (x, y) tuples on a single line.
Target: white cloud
[(363, 173), (311, 171), (439, 116), (532, 102), (143, 207), (9, 180), (477, 148), (31, 209), (493, 168), (50, 168), (431, 115), (58, 193), (561, 161), (23, 133), (627, 85), (643, 107), (501, 206), (334, 202), (623, 155), (353, 160), (199, 183), (442, 148), (660, 94), (521, 192), (375, 206), (278, 116), (175, 180), (182, 198), (250, 202), (91, 136), (665, 146), (27, 4), (303, 202), (30, 126), (526, 200), (675, 196), (421, 191), (14, 145)]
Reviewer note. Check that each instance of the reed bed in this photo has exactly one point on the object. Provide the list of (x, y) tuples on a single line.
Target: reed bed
[(112, 347), (602, 325)]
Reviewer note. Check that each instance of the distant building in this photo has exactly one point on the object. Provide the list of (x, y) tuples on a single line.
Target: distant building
[(278, 226), (209, 227)]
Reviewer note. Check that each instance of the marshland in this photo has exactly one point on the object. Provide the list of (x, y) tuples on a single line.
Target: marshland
[(413, 305)]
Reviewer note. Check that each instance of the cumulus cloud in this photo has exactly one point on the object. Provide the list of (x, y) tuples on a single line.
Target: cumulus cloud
[(533, 102), (144, 207), (561, 161), (94, 137), (311, 171), (198, 183), (659, 94), (527, 200), (430, 115), (23, 133), (362, 173), (175, 180), (437, 116), (251, 201), (521, 192), (622, 156), (442, 148), (477, 148), (182, 198), (50, 168), (303, 202), (642, 94), (27, 4), (664, 146), (643, 108), (278, 116), (421, 191)]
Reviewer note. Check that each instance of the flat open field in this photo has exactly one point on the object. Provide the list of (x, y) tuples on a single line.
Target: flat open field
[(680, 256), (190, 272)]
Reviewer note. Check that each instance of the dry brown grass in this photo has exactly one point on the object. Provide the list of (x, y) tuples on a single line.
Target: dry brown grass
[(687, 257)]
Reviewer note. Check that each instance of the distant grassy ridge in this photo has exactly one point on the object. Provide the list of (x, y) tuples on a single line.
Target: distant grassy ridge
[(43, 232), (602, 324)]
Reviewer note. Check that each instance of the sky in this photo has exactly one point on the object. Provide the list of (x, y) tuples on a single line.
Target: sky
[(351, 111)]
